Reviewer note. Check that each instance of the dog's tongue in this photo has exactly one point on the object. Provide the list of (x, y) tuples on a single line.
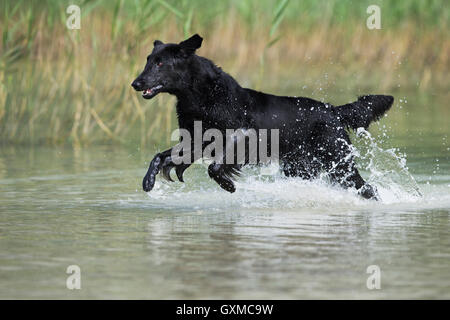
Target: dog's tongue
[(150, 90)]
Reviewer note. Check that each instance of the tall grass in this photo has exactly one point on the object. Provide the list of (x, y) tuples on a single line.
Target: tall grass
[(73, 86)]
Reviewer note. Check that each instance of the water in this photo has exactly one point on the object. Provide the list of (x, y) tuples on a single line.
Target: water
[(273, 238)]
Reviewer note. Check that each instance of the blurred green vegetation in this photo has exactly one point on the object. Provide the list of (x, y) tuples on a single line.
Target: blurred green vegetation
[(73, 86)]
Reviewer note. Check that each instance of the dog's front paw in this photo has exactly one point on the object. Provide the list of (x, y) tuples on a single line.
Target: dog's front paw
[(149, 179), (227, 185), (215, 171), (148, 183)]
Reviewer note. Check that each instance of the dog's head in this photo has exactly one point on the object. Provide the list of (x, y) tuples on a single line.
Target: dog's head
[(167, 68)]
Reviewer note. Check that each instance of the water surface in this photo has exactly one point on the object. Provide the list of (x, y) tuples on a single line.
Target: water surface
[(273, 238)]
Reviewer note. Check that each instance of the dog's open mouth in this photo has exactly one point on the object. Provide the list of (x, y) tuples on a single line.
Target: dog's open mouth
[(151, 92)]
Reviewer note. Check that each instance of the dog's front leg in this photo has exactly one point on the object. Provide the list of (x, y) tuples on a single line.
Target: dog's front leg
[(224, 173), (163, 161), (221, 173), (160, 161)]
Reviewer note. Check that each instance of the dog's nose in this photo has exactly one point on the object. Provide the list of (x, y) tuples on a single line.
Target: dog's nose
[(137, 85)]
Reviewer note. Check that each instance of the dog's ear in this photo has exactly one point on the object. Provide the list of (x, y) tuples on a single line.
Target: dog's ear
[(190, 45), (157, 43)]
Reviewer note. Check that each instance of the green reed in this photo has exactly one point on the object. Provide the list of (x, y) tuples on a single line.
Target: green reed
[(72, 86)]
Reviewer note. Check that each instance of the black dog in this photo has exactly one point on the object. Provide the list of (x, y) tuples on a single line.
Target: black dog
[(312, 134)]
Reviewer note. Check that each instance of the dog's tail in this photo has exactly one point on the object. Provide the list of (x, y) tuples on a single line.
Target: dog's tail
[(364, 111)]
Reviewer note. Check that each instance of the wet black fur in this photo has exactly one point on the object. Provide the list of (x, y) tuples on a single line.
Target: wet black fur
[(313, 136)]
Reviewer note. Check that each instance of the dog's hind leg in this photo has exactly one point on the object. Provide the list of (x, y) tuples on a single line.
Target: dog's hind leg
[(338, 160), (347, 176)]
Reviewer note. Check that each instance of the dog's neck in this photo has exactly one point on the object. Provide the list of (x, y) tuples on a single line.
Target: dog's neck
[(208, 82)]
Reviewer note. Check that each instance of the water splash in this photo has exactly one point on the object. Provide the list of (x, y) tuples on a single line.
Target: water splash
[(387, 170), (384, 168)]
